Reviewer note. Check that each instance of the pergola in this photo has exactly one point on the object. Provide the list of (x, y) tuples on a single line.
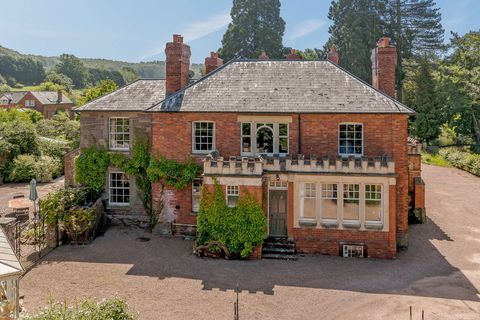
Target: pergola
[(10, 272)]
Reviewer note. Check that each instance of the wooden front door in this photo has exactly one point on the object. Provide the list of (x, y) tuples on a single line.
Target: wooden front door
[(278, 213)]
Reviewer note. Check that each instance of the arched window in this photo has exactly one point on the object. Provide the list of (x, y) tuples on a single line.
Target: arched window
[(264, 139)]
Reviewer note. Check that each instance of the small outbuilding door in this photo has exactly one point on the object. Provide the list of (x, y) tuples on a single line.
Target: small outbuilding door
[(277, 215)]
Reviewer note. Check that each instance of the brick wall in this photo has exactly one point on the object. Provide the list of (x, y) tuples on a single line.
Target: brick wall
[(383, 135)]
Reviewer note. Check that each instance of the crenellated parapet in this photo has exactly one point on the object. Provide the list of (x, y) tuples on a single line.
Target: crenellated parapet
[(249, 166)]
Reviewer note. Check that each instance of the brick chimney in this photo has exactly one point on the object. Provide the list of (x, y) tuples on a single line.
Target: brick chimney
[(212, 62), (263, 56), (333, 56), (384, 64), (177, 64), (293, 55), (59, 96)]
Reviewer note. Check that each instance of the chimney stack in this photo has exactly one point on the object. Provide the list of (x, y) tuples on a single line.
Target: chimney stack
[(177, 64), (384, 64), (293, 55), (263, 56), (212, 62), (59, 96), (333, 56)]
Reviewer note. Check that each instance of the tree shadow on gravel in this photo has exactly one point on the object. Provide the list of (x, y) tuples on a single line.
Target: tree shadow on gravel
[(420, 271)]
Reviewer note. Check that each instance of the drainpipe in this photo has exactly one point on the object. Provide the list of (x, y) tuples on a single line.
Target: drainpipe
[(299, 140)]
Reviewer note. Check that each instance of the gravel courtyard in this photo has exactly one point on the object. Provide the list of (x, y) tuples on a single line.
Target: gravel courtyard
[(161, 279)]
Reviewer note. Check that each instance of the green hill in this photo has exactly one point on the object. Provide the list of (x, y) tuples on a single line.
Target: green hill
[(151, 69)]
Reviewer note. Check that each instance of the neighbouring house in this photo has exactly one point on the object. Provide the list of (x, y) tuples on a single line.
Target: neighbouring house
[(326, 154), (46, 102)]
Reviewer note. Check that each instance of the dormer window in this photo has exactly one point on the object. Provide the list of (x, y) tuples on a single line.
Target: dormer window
[(350, 139)]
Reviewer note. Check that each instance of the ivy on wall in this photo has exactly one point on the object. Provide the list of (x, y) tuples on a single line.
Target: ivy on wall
[(92, 164)]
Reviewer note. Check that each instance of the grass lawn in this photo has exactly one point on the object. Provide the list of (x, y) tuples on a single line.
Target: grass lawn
[(434, 159)]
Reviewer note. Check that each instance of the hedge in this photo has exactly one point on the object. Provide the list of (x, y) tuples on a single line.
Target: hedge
[(462, 159)]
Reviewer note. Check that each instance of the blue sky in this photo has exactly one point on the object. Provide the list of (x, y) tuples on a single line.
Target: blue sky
[(134, 30)]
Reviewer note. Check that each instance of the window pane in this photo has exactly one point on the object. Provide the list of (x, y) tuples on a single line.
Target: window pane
[(309, 208), (246, 129), (203, 136), (232, 201), (329, 201), (373, 202), (246, 144), (283, 145), (283, 129), (196, 190), (351, 201), (265, 140), (350, 139)]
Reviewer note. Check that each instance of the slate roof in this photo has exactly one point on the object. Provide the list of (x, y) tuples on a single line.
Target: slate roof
[(50, 97), (136, 96), (14, 97), (9, 264), (276, 86)]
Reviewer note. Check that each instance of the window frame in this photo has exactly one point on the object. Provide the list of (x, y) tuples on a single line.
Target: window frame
[(227, 194), (30, 103), (113, 134), (195, 194), (352, 221), (110, 202), (214, 129), (322, 197), (303, 196), (373, 222), (253, 137), (363, 139)]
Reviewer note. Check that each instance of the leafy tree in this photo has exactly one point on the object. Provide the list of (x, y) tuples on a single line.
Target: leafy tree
[(21, 136), (104, 87), (59, 79), (95, 76), (256, 25), (421, 93), (50, 86), (459, 77), (73, 68), (129, 74)]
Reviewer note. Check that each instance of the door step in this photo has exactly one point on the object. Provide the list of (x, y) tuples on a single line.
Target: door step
[(279, 248)]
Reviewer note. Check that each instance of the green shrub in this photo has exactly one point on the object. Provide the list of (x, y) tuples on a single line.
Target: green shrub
[(20, 134), (111, 309), (77, 221), (240, 229), (26, 167), (434, 159), (462, 159), (52, 148), (54, 205)]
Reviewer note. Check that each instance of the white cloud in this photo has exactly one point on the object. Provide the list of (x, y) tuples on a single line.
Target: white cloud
[(305, 28), (194, 31)]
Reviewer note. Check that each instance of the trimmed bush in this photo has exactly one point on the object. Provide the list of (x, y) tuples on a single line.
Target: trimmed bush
[(240, 229), (112, 309), (462, 159)]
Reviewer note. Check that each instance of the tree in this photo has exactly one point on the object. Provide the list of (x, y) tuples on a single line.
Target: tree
[(357, 25), (256, 25), (414, 26), (459, 76), (129, 74), (59, 79), (421, 93), (73, 68), (104, 87)]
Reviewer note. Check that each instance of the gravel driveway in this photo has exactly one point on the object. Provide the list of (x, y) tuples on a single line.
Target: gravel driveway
[(161, 279)]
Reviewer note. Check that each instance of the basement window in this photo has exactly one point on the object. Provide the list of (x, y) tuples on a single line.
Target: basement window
[(353, 251)]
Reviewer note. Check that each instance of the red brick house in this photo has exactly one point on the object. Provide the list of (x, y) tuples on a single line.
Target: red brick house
[(46, 102), (325, 153)]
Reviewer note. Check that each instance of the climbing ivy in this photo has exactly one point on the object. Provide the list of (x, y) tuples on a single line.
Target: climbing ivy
[(91, 167)]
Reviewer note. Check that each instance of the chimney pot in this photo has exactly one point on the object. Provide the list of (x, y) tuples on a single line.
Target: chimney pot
[(177, 64), (384, 64), (263, 56), (333, 55)]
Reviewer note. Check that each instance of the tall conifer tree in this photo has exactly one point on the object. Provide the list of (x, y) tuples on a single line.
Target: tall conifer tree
[(256, 25)]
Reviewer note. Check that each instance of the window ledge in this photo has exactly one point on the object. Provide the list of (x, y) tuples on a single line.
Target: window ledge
[(329, 224), (351, 224), (305, 222), (373, 225)]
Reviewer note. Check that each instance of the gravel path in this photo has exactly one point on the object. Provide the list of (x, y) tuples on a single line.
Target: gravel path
[(161, 279)]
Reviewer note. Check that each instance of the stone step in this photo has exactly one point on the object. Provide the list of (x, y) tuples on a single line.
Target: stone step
[(289, 245), (290, 257), (278, 250)]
